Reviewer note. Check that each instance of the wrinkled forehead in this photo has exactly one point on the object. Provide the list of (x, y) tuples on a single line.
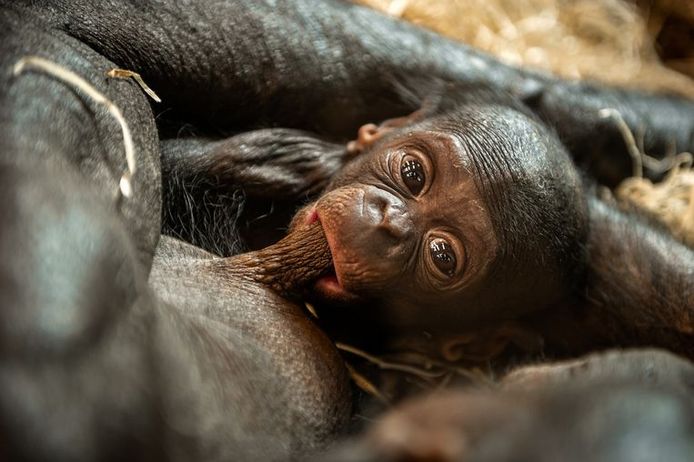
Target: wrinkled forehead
[(447, 150), (512, 137), (493, 144)]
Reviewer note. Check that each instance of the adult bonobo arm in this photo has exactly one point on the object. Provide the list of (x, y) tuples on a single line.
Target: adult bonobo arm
[(69, 142), (331, 68), (640, 282), (243, 187)]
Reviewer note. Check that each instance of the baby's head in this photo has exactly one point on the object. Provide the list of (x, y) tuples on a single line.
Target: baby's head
[(467, 216)]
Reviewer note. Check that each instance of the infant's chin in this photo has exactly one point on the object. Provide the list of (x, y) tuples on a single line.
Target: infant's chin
[(328, 289)]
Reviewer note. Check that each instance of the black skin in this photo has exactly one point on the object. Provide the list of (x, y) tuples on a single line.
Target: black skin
[(121, 361), (615, 406)]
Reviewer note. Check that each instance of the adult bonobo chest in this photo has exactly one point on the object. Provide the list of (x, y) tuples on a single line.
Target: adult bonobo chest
[(258, 369)]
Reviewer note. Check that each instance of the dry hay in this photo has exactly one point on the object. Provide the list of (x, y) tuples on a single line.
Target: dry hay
[(671, 201), (611, 41)]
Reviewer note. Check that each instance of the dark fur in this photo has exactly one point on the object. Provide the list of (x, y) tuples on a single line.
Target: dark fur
[(616, 407), (209, 184)]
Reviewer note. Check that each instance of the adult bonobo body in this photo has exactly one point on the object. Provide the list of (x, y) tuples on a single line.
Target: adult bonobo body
[(219, 365), (254, 378)]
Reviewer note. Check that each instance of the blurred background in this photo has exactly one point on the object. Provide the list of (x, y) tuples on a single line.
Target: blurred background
[(646, 44)]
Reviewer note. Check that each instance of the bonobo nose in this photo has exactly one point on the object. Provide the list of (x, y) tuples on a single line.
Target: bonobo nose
[(386, 212)]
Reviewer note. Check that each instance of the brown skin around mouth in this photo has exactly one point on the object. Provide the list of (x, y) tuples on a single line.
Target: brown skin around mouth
[(290, 266), (328, 286)]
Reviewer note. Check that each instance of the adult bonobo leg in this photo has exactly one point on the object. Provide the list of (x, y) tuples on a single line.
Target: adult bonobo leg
[(617, 406), (68, 243), (330, 69), (73, 257), (242, 191)]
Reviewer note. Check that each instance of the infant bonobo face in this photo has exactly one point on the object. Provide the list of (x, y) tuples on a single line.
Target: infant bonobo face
[(407, 220), (410, 224)]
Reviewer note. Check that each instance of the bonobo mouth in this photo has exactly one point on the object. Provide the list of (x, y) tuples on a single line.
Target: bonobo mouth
[(329, 286)]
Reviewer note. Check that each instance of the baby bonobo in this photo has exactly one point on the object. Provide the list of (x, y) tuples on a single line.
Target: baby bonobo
[(466, 214), (455, 220)]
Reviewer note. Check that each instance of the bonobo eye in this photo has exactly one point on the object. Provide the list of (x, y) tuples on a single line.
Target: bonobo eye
[(412, 173), (443, 256)]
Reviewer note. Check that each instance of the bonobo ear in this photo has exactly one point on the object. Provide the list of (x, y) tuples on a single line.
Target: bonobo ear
[(485, 344), (370, 133)]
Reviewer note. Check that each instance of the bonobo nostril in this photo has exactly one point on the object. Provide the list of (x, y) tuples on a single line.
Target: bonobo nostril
[(386, 212)]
